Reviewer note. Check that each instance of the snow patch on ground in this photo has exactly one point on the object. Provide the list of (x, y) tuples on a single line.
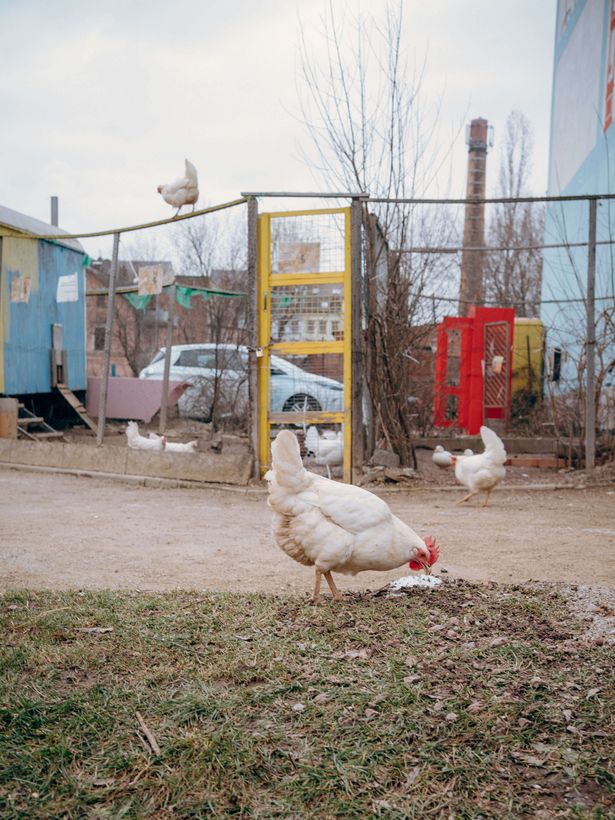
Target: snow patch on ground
[(415, 581)]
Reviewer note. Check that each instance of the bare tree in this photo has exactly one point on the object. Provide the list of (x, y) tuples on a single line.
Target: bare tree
[(513, 276), (372, 131)]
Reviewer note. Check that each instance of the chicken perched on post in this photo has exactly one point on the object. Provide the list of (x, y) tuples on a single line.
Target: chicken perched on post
[(336, 527), (482, 472), (184, 191)]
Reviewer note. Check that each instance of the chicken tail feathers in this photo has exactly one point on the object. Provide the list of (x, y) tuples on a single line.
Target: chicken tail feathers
[(286, 464), (191, 172), (494, 446)]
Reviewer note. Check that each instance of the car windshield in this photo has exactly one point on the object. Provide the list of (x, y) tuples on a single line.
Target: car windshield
[(211, 358)]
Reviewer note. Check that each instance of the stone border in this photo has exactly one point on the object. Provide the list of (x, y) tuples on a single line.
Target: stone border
[(231, 466)]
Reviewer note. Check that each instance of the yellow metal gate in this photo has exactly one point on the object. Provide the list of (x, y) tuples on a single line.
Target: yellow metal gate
[(304, 364)]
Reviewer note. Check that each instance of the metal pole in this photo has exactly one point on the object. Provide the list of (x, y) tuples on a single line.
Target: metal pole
[(54, 211), (590, 344), (164, 400), (357, 452), (252, 286), (104, 377)]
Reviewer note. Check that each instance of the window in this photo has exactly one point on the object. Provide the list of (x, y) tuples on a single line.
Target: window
[(311, 327), (191, 358), (556, 364), (294, 326), (322, 327), (99, 337)]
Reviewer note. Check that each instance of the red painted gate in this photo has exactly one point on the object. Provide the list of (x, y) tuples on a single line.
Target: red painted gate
[(473, 369)]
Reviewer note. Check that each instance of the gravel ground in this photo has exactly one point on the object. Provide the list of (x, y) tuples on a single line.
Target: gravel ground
[(63, 532)]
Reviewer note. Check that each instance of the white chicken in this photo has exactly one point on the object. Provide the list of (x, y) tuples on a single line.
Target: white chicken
[(336, 527), (138, 442), (482, 472), (176, 446), (328, 449), (184, 191), (441, 457)]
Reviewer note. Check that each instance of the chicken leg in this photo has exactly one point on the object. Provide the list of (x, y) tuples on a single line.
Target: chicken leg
[(316, 595), (337, 595), (467, 497), (486, 501)]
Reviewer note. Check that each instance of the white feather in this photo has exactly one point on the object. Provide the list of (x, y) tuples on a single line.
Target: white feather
[(138, 442), (485, 470), (334, 526), (183, 191)]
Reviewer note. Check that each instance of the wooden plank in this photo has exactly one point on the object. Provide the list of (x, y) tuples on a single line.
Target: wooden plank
[(311, 417), (8, 418), (31, 420), (77, 406)]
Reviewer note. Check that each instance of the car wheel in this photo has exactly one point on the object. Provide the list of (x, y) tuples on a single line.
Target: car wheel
[(301, 403)]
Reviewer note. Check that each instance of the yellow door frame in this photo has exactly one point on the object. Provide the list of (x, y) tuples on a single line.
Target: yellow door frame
[(267, 280)]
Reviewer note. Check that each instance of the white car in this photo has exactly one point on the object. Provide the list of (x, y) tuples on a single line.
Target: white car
[(220, 372)]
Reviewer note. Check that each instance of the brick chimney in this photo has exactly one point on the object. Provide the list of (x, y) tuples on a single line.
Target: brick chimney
[(471, 284)]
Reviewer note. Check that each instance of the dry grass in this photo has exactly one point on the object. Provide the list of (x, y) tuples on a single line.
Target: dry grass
[(466, 702)]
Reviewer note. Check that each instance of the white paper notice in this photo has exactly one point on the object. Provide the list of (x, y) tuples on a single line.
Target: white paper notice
[(68, 288)]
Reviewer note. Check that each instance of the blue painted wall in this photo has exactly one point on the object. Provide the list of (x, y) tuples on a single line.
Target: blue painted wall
[(582, 161), (25, 326)]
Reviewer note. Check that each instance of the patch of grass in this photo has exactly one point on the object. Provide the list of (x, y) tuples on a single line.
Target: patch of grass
[(471, 701)]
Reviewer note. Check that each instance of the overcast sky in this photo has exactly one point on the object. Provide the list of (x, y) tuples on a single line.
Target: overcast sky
[(101, 102)]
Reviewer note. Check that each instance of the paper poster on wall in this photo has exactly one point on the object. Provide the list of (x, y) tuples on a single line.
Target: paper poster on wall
[(20, 288), (150, 280), (68, 288)]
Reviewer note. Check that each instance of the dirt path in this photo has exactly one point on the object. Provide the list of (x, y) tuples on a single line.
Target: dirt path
[(60, 531)]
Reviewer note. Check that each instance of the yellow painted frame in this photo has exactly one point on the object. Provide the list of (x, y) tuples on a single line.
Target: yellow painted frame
[(267, 280)]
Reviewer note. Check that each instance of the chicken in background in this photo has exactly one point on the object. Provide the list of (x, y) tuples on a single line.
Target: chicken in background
[(336, 527), (441, 457), (327, 450), (184, 191), (138, 442), (176, 446), (482, 472)]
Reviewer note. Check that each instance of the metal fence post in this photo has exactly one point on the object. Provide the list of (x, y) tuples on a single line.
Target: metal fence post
[(104, 376), (590, 344), (167, 360), (357, 366), (253, 419)]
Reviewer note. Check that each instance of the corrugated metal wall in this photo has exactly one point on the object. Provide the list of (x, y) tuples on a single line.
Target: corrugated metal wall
[(41, 284)]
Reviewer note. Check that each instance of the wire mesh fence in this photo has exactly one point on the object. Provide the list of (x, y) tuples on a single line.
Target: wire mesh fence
[(187, 285), (535, 255)]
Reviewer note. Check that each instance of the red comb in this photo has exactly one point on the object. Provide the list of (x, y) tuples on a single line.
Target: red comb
[(434, 552)]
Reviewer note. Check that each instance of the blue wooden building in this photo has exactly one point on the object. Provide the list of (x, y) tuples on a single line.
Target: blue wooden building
[(582, 147), (42, 298)]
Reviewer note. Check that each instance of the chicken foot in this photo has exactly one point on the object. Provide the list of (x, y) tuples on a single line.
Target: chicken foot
[(337, 596), (467, 497)]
